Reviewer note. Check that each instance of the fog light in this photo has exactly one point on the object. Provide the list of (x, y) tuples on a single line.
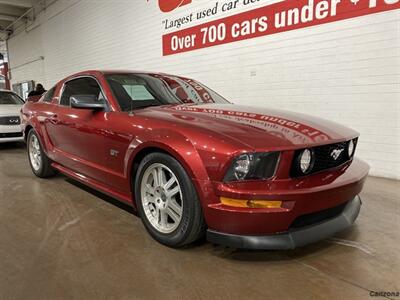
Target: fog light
[(250, 203)]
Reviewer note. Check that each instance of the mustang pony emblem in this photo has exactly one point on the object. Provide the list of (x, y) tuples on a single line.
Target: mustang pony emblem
[(336, 153), (170, 5)]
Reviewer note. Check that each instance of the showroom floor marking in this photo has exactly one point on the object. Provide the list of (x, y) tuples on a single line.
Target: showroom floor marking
[(330, 275), (353, 244), (74, 221)]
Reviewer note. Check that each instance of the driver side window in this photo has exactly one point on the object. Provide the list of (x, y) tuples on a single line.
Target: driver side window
[(81, 86)]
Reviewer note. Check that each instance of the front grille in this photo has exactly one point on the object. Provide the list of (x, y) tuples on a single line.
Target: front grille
[(323, 158), (9, 121), (318, 217), (10, 135)]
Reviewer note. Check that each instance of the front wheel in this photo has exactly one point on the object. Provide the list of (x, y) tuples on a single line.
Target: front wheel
[(167, 201), (40, 163)]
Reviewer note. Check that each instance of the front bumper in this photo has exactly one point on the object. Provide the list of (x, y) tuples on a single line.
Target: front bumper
[(11, 139), (300, 197), (293, 238), (11, 133)]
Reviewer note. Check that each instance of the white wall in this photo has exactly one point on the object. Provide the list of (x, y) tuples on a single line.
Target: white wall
[(347, 71)]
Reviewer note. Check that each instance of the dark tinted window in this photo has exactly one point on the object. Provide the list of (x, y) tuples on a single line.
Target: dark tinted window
[(49, 95), (134, 91), (8, 98), (81, 86)]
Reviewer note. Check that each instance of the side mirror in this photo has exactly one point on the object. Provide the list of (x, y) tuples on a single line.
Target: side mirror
[(86, 102)]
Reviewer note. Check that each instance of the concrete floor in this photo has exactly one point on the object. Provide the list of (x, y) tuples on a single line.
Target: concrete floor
[(59, 240)]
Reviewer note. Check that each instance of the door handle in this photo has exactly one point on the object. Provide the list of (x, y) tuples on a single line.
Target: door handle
[(54, 119)]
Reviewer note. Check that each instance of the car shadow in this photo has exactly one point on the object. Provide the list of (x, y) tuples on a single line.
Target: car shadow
[(12, 145), (316, 249)]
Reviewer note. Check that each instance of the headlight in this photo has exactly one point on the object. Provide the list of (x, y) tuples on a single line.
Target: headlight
[(241, 167), (306, 159), (350, 148), (252, 166)]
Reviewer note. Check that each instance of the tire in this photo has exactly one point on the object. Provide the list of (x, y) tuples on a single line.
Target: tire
[(179, 220), (38, 160)]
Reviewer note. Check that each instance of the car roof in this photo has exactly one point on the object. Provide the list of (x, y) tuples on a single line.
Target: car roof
[(130, 72), (105, 72), (97, 73)]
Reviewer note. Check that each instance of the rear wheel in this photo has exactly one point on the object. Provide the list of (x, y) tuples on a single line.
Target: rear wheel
[(167, 201), (40, 163)]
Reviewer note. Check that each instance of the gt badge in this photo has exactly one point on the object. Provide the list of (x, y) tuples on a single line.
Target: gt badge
[(114, 152)]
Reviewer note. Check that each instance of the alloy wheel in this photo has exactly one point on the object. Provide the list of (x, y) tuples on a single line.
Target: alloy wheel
[(161, 197), (35, 155)]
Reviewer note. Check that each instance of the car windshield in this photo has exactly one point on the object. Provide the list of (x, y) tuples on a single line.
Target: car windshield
[(135, 91), (8, 98)]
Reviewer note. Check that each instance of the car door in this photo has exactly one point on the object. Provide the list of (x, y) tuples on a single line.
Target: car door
[(78, 135)]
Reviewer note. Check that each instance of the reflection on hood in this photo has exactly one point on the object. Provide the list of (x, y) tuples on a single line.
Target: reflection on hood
[(296, 132)]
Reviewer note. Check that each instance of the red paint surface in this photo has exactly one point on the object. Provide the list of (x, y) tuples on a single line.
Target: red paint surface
[(204, 139), (193, 36)]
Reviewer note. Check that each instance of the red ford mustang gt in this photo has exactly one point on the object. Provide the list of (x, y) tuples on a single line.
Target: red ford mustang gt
[(192, 163)]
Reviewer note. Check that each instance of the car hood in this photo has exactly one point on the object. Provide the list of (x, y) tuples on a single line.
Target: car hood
[(258, 128), (10, 110)]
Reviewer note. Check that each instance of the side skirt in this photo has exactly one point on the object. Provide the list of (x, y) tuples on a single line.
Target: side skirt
[(93, 184)]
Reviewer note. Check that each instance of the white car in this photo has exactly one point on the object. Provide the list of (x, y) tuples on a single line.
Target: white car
[(10, 122)]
